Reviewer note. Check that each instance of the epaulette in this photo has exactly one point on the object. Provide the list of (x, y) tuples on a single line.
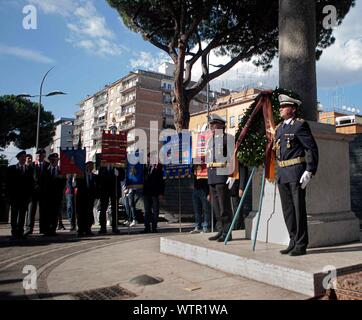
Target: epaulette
[(278, 126), (300, 120)]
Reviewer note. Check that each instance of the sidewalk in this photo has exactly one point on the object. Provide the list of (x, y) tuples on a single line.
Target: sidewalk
[(121, 262)]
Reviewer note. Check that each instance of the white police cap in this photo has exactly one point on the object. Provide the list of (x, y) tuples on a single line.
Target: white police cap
[(216, 118), (286, 100)]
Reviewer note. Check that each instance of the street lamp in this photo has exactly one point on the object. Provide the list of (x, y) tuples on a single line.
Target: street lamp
[(53, 93)]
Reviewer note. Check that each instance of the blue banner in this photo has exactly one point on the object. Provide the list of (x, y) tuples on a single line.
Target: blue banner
[(134, 176), (179, 153)]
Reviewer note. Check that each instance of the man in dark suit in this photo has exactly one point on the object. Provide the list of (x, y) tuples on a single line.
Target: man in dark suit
[(54, 190), (297, 155), (153, 192), (219, 193), (109, 190), (87, 188), (40, 167), (20, 183)]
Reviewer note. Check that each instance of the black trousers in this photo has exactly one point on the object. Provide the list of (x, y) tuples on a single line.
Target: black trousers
[(104, 201), (85, 217), (221, 204), (49, 219), (18, 212), (295, 213), (37, 200)]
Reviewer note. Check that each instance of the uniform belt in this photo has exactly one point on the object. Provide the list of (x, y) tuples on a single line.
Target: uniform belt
[(216, 165), (292, 162)]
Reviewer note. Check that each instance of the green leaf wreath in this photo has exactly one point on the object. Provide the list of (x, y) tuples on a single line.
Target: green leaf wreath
[(251, 152)]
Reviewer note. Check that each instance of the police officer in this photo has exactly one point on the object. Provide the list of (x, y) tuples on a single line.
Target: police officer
[(297, 155), (20, 188), (218, 176)]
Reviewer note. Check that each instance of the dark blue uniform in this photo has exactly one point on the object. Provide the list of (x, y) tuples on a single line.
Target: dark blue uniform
[(219, 193), (296, 152)]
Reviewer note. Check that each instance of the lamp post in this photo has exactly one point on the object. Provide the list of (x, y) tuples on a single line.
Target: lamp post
[(53, 93)]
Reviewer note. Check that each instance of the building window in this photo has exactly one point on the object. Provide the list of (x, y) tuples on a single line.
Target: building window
[(232, 122)]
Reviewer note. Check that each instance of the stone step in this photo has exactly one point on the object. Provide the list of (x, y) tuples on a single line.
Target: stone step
[(305, 275)]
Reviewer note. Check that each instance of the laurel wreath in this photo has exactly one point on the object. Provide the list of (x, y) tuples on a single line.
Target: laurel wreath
[(251, 152)]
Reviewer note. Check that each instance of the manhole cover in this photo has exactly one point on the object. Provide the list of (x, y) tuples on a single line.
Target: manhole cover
[(110, 293), (146, 280)]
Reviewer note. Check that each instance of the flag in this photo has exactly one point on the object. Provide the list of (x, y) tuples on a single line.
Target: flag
[(72, 161)]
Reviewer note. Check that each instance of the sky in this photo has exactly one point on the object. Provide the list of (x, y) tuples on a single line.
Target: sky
[(90, 47)]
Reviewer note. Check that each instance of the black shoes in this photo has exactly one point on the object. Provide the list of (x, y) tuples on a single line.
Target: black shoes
[(223, 238), (216, 237), (298, 252), (102, 231), (116, 231), (289, 249)]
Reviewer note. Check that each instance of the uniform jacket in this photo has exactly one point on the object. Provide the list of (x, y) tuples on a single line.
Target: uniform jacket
[(215, 152), (54, 186), (293, 141), (108, 180), (87, 191), (19, 184), (153, 184)]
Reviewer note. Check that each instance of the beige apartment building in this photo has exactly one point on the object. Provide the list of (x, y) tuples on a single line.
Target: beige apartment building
[(130, 102), (231, 107)]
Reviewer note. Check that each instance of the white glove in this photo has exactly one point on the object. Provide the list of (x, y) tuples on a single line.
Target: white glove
[(305, 179), (116, 172), (74, 183), (230, 182)]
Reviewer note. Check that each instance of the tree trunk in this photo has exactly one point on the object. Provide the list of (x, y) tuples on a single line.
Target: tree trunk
[(181, 102), (181, 106), (297, 51)]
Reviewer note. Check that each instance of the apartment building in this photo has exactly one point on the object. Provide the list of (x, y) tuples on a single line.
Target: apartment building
[(63, 137), (130, 102), (91, 120)]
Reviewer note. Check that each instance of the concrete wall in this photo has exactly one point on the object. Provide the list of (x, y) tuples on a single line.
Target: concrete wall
[(355, 152)]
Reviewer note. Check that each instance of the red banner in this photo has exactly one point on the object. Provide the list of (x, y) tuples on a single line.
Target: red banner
[(199, 153), (114, 149)]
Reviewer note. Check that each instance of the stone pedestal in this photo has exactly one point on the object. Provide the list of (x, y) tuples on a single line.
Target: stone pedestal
[(330, 219)]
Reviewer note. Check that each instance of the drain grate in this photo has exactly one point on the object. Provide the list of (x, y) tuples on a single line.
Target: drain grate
[(109, 293)]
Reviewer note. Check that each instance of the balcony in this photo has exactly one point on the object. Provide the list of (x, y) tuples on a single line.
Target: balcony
[(127, 102), (78, 122), (98, 102), (100, 123), (79, 113), (126, 126), (97, 136)]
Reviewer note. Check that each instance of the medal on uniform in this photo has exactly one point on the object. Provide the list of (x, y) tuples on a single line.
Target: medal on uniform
[(288, 144)]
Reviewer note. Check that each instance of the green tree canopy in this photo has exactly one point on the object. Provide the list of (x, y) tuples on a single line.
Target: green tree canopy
[(18, 122), (187, 30)]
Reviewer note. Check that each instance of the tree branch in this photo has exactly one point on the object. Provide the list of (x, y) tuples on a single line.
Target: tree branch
[(205, 79)]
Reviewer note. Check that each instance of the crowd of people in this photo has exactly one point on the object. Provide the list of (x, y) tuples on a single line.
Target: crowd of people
[(41, 186)]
